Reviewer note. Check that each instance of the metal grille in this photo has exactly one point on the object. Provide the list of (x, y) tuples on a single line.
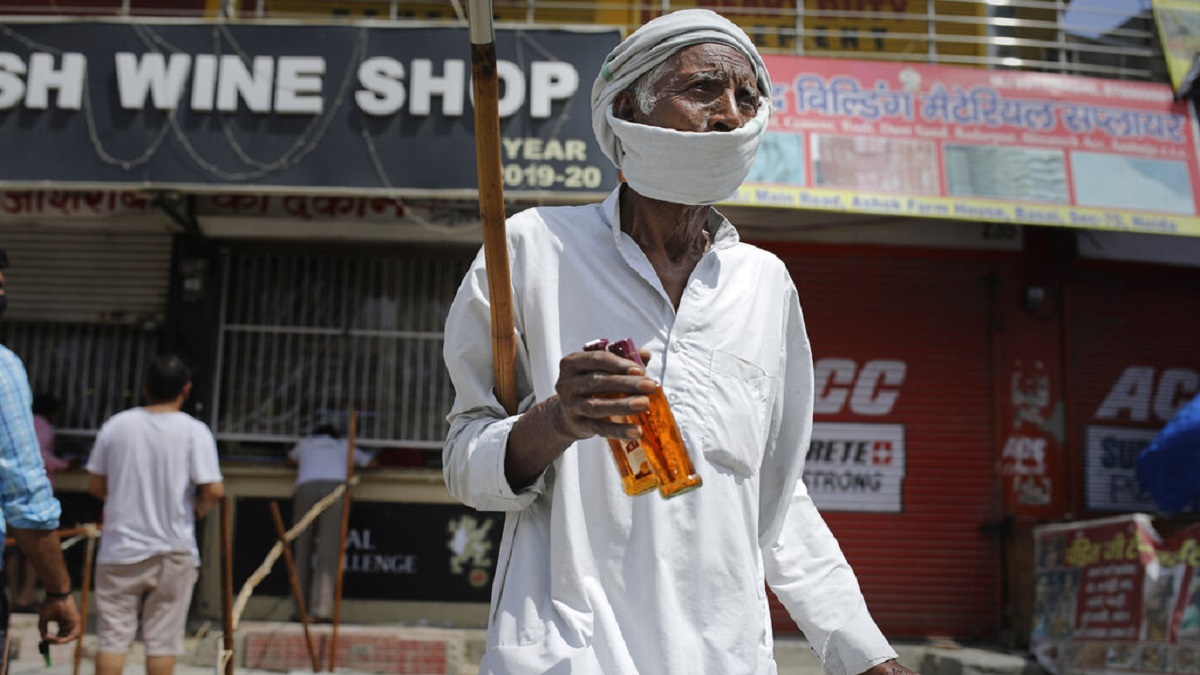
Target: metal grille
[(94, 370), (1076, 37), (305, 337)]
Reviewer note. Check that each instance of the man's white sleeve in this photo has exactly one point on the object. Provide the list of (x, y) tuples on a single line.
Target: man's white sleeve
[(473, 456), (810, 576), (802, 561), (205, 463)]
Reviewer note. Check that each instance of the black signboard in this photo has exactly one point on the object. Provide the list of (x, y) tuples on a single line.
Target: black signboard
[(348, 108), (394, 551)]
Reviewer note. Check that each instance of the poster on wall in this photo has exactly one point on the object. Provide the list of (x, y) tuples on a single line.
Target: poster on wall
[(1032, 462), (1137, 401), (968, 144), (1113, 596), (1111, 481), (856, 467)]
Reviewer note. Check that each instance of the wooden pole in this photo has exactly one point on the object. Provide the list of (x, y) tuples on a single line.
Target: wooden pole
[(226, 526), (62, 534), (84, 593), (486, 86), (341, 567), (297, 592)]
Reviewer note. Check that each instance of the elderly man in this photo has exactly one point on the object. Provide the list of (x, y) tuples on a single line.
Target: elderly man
[(591, 580)]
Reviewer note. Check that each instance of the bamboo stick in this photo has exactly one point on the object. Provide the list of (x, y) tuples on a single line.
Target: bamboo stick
[(486, 86), (226, 526), (84, 595), (297, 592)]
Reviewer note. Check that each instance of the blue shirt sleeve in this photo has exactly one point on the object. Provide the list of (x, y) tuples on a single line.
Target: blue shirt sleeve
[(26, 498)]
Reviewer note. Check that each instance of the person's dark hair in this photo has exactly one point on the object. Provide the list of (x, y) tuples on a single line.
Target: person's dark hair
[(166, 378), (45, 405), (326, 430)]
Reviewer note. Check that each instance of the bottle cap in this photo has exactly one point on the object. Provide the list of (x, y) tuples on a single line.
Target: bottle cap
[(627, 349), (595, 345)]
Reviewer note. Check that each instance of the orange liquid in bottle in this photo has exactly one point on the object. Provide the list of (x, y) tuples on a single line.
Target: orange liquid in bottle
[(665, 449), (629, 454), (661, 440)]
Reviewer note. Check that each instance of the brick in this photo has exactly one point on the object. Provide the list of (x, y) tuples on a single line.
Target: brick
[(377, 651)]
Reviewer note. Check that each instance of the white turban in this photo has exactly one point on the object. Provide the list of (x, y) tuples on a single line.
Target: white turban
[(652, 44)]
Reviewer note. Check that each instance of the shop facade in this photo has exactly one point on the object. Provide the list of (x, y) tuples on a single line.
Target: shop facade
[(982, 365), (296, 230)]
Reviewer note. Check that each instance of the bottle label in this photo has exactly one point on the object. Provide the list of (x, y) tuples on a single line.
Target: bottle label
[(639, 464)]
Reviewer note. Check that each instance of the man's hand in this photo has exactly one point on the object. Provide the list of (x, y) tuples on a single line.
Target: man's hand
[(43, 548), (207, 496), (63, 612), (595, 386), (591, 387), (891, 667)]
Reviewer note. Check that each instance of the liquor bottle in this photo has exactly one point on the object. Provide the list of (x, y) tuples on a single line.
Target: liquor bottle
[(661, 439), (629, 455)]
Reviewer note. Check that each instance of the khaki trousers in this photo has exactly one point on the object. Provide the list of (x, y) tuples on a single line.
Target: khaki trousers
[(317, 573)]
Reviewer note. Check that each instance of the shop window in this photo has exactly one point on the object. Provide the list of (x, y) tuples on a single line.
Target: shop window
[(307, 337), (93, 370)]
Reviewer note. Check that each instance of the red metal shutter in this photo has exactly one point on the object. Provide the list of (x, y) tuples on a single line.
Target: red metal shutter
[(926, 568), (1134, 360)]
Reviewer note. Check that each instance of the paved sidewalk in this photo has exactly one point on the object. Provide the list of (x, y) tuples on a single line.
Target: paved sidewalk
[(438, 651)]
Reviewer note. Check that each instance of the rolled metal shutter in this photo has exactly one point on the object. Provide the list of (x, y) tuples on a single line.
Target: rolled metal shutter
[(1134, 360), (86, 274), (926, 568)]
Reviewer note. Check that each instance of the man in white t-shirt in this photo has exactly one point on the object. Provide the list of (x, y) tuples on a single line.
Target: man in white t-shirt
[(321, 468), (156, 469)]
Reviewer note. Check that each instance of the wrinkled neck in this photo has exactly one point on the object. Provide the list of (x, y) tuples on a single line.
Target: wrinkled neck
[(676, 232)]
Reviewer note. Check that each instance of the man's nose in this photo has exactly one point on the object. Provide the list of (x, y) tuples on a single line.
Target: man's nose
[(725, 115)]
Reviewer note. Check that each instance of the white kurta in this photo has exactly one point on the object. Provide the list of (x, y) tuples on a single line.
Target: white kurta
[(590, 580)]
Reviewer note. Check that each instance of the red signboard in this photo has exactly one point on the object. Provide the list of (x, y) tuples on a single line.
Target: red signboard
[(1114, 597), (969, 144)]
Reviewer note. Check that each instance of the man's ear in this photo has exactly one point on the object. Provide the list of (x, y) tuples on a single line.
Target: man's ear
[(624, 105)]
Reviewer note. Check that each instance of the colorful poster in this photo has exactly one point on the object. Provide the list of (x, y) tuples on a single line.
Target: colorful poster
[(1179, 31), (1112, 596), (1032, 459), (967, 144)]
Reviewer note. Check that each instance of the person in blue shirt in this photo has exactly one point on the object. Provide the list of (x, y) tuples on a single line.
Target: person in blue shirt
[(29, 512)]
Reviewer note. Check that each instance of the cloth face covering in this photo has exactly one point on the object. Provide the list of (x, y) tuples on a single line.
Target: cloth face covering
[(688, 167), (649, 46)]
